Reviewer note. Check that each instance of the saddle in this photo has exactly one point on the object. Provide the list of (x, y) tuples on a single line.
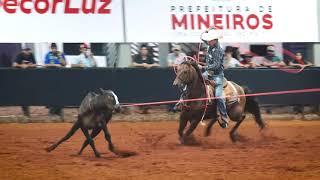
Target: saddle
[(229, 91), (211, 82)]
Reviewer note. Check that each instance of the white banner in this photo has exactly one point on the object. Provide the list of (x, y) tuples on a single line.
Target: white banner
[(61, 21), (157, 20), (239, 20)]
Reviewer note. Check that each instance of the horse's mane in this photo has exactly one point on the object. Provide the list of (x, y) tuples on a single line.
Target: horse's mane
[(195, 65)]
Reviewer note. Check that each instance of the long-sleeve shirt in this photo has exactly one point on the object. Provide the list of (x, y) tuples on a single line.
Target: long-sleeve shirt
[(215, 59)]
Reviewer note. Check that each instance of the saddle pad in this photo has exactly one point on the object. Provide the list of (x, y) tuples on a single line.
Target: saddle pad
[(229, 91)]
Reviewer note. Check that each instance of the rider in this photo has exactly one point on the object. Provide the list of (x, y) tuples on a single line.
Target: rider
[(214, 69)]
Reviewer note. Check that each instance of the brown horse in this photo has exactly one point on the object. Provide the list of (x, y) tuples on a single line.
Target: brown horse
[(188, 73)]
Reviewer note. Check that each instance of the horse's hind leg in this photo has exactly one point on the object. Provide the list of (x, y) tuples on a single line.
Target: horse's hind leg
[(233, 134), (90, 140), (74, 128), (252, 106), (94, 133)]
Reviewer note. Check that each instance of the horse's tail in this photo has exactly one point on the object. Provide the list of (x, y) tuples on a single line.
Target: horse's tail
[(252, 106)]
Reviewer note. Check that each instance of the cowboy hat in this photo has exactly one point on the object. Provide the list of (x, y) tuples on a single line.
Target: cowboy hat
[(210, 35)]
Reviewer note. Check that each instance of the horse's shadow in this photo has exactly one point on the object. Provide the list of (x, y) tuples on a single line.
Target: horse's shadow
[(192, 141), (242, 142), (108, 156)]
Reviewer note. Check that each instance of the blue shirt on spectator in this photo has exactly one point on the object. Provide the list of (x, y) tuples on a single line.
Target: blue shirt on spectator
[(52, 58)]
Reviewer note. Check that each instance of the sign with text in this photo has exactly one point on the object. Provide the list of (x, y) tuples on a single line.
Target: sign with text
[(61, 20), (236, 20), (157, 21)]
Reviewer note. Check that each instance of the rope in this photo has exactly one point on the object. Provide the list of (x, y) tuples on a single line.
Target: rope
[(212, 98)]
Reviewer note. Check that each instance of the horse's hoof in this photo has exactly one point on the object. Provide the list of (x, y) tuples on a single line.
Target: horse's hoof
[(234, 138), (48, 149), (262, 127), (111, 148), (182, 141), (207, 133), (98, 155)]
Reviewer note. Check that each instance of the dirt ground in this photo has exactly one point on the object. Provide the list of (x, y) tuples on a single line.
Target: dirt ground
[(286, 150)]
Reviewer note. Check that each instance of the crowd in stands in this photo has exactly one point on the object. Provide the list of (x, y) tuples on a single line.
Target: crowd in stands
[(53, 59), (234, 59)]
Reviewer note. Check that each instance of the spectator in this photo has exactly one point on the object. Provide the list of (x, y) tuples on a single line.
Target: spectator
[(25, 59), (236, 53), (271, 59), (229, 49), (144, 59), (202, 55), (230, 62), (298, 61), (86, 58), (247, 61), (176, 57), (55, 59)]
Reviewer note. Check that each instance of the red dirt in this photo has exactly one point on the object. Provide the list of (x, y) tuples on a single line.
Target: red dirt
[(286, 150)]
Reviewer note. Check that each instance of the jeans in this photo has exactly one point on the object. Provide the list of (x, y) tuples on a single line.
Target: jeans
[(221, 104)]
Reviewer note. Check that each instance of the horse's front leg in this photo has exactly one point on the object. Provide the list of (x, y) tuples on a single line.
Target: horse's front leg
[(90, 140), (192, 127), (108, 138), (214, 119), (182, 126), (209, 127), (94, 133)]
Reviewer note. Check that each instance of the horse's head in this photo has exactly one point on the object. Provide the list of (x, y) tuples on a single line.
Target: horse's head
[(111, 99), (186, 74)]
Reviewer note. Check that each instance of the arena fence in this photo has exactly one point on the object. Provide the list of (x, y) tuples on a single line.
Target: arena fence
[(67, 86)]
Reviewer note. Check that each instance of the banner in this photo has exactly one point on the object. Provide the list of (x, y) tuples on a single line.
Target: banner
[(236, 20), (61, 21), (157, 21)]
